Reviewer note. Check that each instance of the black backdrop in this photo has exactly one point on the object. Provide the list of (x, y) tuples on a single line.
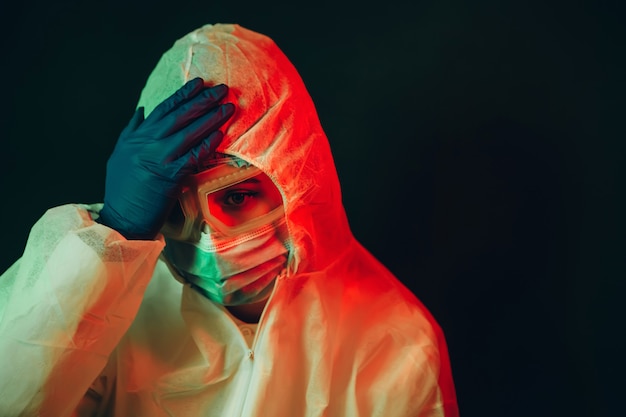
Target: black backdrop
[(479, 146)]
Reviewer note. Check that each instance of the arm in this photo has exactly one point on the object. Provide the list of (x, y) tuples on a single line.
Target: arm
[(65, 304)]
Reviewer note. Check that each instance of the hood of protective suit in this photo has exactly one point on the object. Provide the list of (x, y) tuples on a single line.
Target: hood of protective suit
[(340, 335), (275, 128)]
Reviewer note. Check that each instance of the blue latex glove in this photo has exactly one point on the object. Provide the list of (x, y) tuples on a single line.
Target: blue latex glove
[(152, 156)]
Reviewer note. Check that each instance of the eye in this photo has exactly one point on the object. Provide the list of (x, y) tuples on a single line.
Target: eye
[(238, 198)]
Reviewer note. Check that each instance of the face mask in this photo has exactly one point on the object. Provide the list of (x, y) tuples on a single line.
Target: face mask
[(232, 270)]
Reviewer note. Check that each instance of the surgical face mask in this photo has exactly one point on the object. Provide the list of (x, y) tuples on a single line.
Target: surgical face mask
[(235, 270), (228, 242)]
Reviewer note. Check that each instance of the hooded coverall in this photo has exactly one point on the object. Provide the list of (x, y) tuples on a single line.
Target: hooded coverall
[(340, 335)]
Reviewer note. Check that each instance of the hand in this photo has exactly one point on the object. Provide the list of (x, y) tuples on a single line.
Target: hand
[(152, 156)]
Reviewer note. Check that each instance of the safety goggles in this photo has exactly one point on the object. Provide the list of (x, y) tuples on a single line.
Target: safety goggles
[(229, 200)]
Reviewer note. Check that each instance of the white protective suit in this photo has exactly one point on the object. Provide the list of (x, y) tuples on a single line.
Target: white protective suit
[(340, 335)]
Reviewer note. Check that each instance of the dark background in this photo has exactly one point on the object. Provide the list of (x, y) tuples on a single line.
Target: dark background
[(479, 144)]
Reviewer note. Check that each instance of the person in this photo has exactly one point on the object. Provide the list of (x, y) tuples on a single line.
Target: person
[(219, 277)]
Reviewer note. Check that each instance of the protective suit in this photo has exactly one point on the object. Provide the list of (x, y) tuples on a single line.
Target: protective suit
[(87, 311)]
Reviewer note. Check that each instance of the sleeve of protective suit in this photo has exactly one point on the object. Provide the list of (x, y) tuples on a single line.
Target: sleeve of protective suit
[(64, 305)]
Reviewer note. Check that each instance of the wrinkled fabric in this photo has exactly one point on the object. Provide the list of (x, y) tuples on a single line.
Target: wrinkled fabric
[(339, 336), (64, 305)]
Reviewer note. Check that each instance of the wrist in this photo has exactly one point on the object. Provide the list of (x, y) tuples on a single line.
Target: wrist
[(110, 218)]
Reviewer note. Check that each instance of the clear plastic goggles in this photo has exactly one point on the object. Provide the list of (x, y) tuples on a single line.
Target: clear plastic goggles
[(229, 200)]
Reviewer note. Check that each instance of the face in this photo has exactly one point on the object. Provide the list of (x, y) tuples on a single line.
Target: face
[(230, 244)]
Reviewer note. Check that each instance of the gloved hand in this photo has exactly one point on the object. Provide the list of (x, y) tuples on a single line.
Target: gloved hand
[(152, 156)]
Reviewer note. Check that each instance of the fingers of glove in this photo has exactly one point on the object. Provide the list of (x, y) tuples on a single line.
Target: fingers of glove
[(184, 93), (137, 119), (192, 109), (134, 122), (191, 135), (197, 158)]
